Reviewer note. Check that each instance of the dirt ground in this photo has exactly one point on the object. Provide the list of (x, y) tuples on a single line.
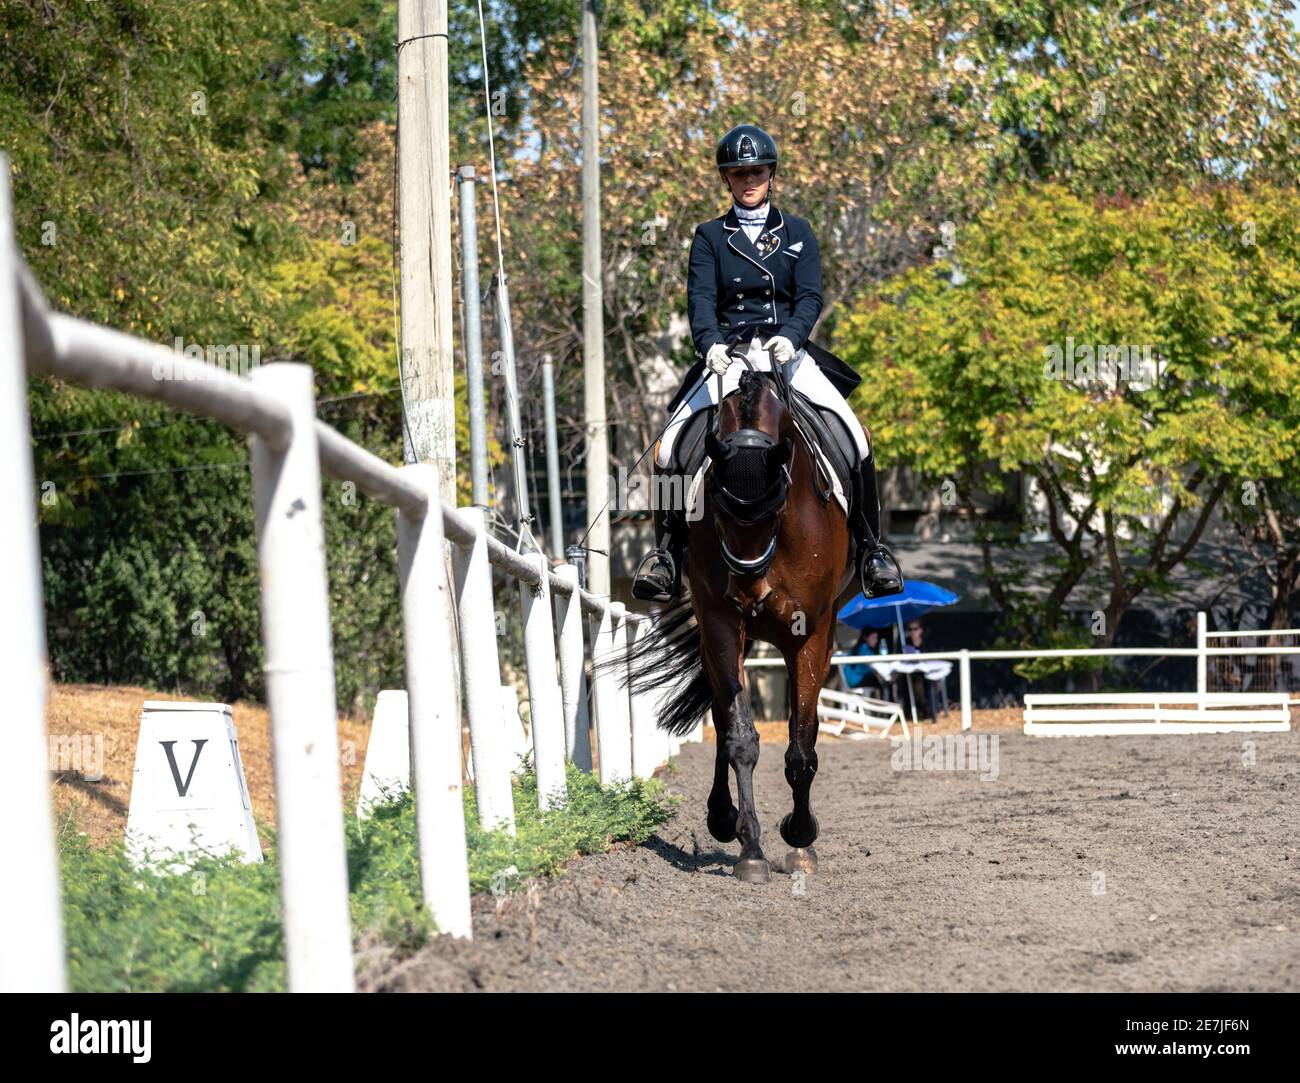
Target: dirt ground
[(1104, 863), (1143, 863)]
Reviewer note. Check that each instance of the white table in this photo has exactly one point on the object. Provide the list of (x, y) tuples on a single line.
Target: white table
[(932, 670)]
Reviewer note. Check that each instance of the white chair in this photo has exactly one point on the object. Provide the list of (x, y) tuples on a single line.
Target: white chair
[(838, 710)]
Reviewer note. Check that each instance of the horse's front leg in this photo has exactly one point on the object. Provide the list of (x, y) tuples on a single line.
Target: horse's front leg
[(722, 811), (806, 667), (723, 650)]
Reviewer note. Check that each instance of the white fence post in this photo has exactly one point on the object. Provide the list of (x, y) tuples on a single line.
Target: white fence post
[(963, 670), (434, 713), (648, 752), (546, 711), (613, 723), (481, 668), (31, 915), (573, 676), (1202, 684), (300, 693)]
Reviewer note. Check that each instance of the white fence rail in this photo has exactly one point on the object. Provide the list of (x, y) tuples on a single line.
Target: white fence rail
[(289, 449), (1110, 714), (964, 658)]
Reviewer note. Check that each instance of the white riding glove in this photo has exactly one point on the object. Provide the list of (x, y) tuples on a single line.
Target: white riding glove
[(717, 359), (782, 349)]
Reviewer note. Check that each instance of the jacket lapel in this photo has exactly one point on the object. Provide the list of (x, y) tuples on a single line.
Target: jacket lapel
[(738, 240)]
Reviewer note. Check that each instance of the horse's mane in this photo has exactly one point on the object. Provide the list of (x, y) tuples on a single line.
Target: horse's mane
[(752, 385)]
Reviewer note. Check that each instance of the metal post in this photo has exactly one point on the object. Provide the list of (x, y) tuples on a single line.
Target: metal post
[(31, 916), (481, 668), (573, 676), (434, 712), (299, 670), (552, 457), (613, 724), (1202, 639), (506, 335), (577, 556), (546, 711), (963, 669), (473, 335)]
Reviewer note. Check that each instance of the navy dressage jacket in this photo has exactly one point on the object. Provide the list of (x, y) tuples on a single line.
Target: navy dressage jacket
[(736, 289)]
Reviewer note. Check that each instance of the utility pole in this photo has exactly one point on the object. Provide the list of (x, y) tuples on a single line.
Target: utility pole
[(593, 323), (424, 209)]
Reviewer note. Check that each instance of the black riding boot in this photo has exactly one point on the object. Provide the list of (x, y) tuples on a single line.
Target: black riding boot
[(878, 571), (659, 575)]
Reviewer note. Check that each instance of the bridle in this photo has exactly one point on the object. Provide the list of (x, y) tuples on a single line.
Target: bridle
[(746, 510)]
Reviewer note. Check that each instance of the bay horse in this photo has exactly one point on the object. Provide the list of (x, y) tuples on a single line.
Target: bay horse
[(768, 560)]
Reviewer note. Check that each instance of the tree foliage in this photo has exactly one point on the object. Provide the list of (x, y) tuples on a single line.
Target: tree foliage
[(973, 382)]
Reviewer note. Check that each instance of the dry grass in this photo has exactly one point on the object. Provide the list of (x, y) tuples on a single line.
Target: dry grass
[(114, 711)]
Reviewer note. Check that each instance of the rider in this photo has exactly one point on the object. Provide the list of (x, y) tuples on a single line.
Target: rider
[(755, 278)]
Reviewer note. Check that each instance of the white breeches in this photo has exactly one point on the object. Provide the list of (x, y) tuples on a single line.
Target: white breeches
[(804, 375)]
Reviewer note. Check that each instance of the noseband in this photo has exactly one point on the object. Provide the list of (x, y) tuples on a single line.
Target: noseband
[(746, 496)]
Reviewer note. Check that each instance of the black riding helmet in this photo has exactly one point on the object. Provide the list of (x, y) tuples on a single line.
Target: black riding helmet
[(746, 144)]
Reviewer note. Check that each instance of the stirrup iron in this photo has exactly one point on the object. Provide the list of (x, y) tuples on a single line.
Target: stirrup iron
[(652, 581)]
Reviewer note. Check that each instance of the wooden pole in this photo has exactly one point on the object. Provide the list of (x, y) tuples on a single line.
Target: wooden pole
[(593, 330), (424, 210)]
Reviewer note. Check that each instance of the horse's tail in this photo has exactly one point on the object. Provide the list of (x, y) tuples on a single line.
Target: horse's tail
[(667, 659)]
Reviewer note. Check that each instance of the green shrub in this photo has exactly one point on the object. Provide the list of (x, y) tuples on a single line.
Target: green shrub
[(217, 927)]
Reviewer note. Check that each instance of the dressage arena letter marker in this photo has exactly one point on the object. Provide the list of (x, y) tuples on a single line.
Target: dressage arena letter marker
[(388, 753), (188, 792)]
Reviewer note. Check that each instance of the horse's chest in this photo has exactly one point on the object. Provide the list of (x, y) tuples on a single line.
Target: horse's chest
[(770, 611)]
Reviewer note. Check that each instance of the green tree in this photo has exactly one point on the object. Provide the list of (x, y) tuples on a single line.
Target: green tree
[(975, 383)]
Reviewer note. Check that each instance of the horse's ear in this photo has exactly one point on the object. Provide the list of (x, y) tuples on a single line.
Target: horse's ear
[(713, 446), (778, 456)]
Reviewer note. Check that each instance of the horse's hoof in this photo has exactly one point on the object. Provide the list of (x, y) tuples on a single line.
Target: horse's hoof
[(753, 870), (801, 859)]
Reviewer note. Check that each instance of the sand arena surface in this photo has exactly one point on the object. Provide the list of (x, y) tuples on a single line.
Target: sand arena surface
[(1115, 863)]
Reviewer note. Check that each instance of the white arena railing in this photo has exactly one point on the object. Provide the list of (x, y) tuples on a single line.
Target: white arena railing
[(964, 659), (289, 449)]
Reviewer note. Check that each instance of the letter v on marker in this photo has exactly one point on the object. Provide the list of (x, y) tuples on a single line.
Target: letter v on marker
[(181, 787)]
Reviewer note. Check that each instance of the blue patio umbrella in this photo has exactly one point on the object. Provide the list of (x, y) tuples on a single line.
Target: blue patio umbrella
[(918, 598)]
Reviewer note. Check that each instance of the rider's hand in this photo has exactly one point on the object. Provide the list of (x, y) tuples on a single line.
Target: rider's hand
[(782, 349), (717, 359)]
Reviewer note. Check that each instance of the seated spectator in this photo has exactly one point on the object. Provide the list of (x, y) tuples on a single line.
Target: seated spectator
[(920, 686), (864, 678)]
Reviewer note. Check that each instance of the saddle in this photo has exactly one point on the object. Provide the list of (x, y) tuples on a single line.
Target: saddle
[(822, 427)]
